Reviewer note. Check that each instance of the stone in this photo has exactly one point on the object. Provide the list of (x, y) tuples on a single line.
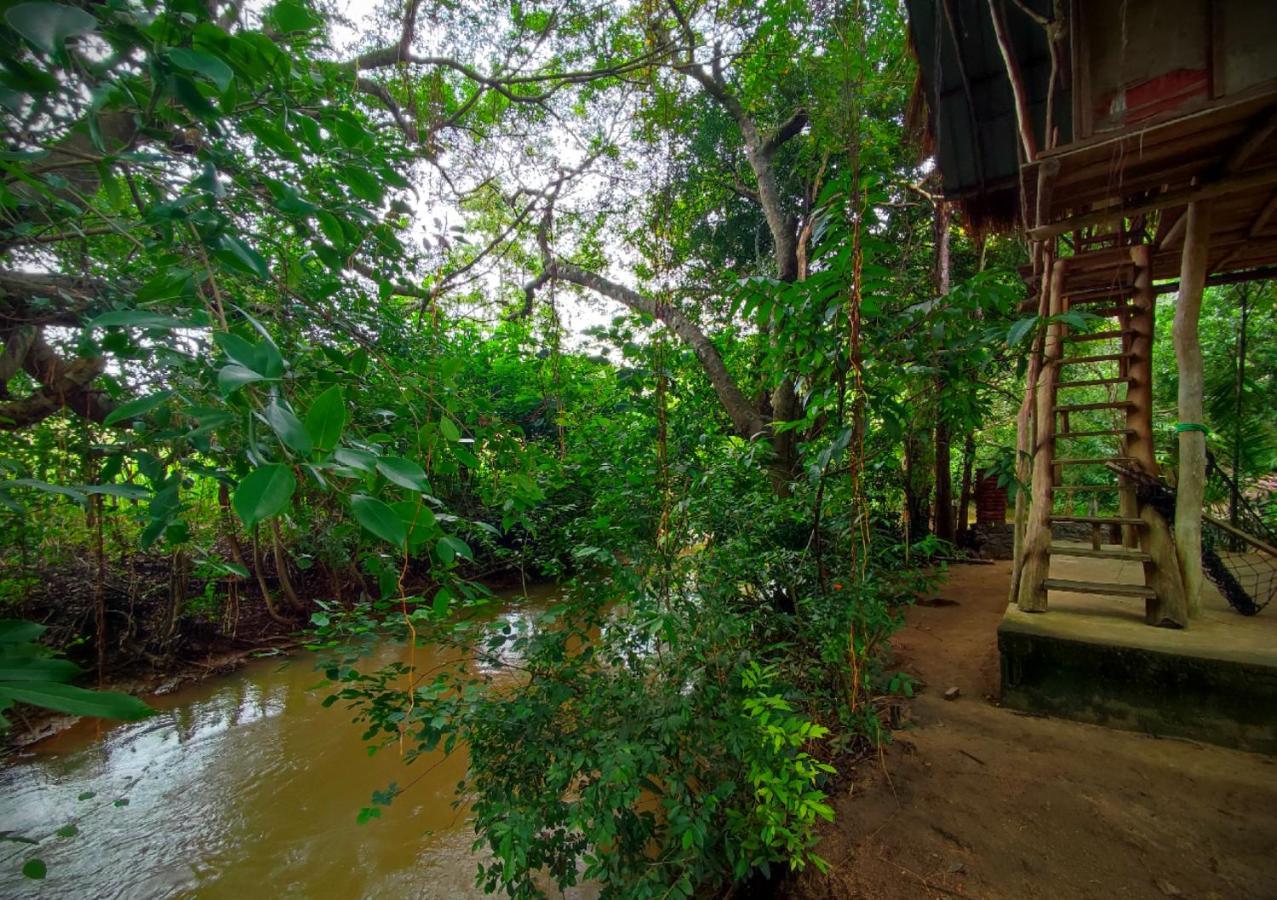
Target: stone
[(953, 693)]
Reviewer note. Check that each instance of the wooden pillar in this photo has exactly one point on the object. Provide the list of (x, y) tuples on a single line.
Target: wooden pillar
[(1037, 536), (1025, 431), (1191, 478), (1168, 608)]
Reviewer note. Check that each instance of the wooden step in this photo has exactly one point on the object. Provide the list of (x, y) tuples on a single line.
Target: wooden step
[(1099, 432), (1120, 553), (1097, 461), (1093, 336), (1102, 357), (1092, 382), (1087, 407), (1098, 520), (1108, 589)]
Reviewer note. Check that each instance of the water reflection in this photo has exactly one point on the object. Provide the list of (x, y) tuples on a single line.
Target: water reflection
[(242, 786)]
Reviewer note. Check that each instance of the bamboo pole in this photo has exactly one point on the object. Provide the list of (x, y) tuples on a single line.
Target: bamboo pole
[(1191, 480)]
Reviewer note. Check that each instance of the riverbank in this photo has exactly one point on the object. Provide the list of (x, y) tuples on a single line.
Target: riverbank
[(972, 800)]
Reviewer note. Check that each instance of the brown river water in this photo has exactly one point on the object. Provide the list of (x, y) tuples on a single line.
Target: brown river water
[(241, 786)]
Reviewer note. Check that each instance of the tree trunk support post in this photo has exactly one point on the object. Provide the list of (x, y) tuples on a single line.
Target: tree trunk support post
[(1168, 608), (1191, 477), (1037, 538)]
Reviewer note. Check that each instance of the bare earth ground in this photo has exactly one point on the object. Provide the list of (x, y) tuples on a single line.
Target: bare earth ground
[(977, 801)]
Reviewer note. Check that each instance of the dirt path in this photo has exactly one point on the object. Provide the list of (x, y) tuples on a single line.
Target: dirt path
[(979, 801)]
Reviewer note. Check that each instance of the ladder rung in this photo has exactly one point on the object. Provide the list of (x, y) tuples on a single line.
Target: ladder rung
[(1097, 433), (1116, 310), (1090, 382), (1097, 587), (1104, 293), (1098, 461), (1103, 357), (1086, 407), (1093, 336), (1091, 553), (1099, 520)]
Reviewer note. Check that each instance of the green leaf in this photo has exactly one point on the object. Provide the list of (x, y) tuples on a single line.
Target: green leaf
[(326, 419), (263, 357), (67, 831), (449, 429), (289, 16), (135, 409), (330, 225), (18, 631), (443, 597), (138, 318), (48, 25), (403, 472), (76, 701), (238, 255), (380, 519), (289, 428), (35, 868), (356, 459), (37, 668), (232, 377), (449, 548), (201, 63), (362, 183), (265, 492), (1019, 329)]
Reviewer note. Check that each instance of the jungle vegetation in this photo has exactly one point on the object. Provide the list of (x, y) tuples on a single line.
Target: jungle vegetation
[(329, 320)]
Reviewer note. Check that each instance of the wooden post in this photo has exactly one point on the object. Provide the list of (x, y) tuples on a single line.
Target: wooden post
[(1191, 482), (1162, 572), (1037, 538), (1024, 435)]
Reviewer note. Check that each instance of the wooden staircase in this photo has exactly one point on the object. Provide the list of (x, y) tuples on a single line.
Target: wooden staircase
[(1112, 358)]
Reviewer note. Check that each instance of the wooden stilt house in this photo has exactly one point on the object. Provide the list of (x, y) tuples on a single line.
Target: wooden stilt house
[(1133, 141)]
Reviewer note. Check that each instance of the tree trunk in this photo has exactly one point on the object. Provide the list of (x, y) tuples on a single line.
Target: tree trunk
[(917, 488), (1191, 479), (964, 496), (944, 476)]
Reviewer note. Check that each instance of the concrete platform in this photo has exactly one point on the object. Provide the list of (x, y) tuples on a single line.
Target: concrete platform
[(1092, 658)]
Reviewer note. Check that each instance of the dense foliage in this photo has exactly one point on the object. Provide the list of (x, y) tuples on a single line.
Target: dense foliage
[(306, 330)]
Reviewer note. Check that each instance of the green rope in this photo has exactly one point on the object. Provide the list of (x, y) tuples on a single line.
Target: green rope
[(1181, 427)]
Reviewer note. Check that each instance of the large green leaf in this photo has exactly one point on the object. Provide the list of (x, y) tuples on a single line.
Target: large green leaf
[(37, 668), (262, 357), (326, 418), (48, 25), (201, 63), (138, 318), (135, 409), (265, 492), (233, 377), (403, 472), (380, 519), (19, 631), (76, 701), (289, 428), (238, 255)]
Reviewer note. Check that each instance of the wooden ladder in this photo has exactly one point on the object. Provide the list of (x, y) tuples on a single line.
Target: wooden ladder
[(1117, 358)]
